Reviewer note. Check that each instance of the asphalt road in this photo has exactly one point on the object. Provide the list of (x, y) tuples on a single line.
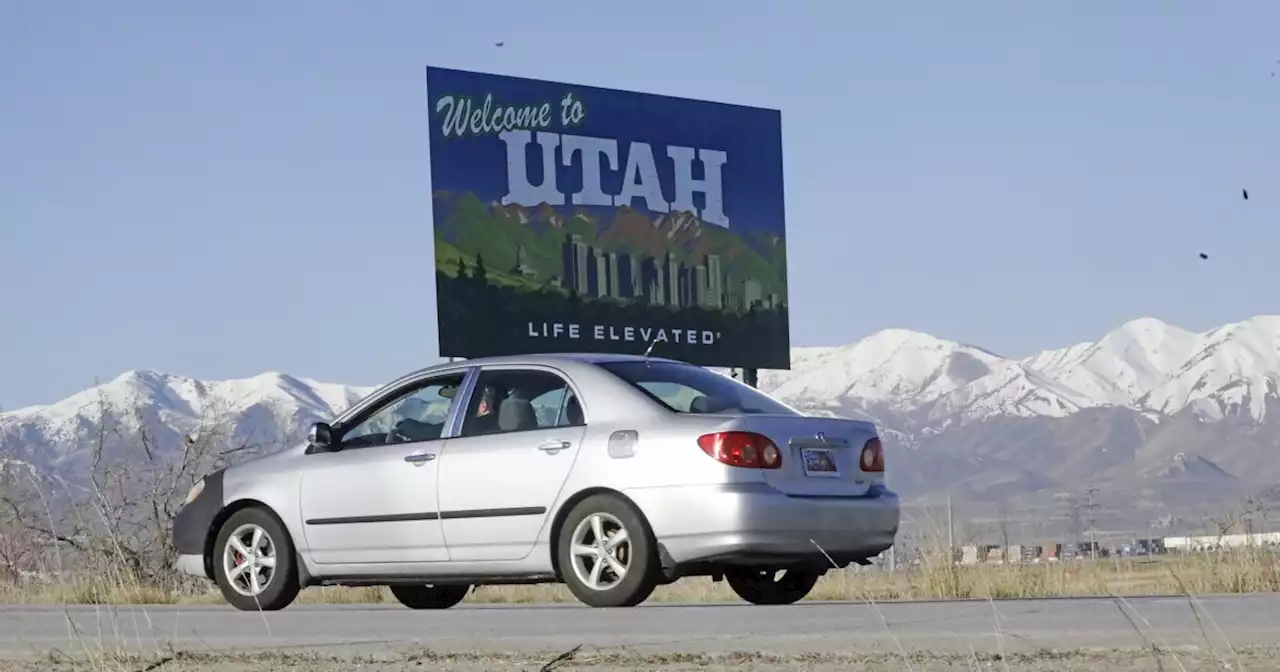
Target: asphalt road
[(1009, 626)]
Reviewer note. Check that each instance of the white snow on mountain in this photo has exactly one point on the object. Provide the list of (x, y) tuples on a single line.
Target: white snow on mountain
[(894, 366), (1233, 371), (1123, 365), (1010, 390), (183, 403), (905, 371), (1145, 364)]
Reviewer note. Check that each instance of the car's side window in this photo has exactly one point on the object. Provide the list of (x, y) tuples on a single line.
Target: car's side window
[(559, 408), (419, 414), (677, 396), (516, 400)]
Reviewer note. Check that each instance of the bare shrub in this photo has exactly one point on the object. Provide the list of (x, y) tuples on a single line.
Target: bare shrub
[(100, 519), (19, 546)]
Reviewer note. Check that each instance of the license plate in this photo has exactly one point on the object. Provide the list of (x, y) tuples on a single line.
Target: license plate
[(819, 462)]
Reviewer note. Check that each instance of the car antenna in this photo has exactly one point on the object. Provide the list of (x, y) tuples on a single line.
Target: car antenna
[(650, 349)]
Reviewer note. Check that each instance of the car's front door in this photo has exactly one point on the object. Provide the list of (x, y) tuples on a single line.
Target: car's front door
[(373, 499), (500, 476)]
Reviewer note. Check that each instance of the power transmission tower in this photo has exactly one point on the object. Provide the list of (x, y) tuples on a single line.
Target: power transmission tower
[(1002, 525), (1081, 513), (1076, 517), (951, 534), (1090, 506)]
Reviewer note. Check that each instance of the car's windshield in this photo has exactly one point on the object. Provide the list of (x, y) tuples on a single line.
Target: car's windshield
[(685, 388)]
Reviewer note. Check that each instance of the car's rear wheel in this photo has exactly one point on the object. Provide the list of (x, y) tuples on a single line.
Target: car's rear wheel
[(606, 553), (763, 586), (254, 562), (430, 597)]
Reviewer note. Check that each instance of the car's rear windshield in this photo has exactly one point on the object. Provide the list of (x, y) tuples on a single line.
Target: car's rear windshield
[(686, 388)]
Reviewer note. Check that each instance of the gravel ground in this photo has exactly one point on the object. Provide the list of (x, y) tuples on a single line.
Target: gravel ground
[(1190, 659)]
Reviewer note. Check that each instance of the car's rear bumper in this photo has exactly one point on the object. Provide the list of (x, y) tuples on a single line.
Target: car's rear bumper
[(756, 523)]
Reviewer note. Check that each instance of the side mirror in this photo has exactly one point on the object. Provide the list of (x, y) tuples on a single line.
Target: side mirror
[(321, 435)]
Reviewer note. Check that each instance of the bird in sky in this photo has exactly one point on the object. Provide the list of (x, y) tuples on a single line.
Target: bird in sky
[(498, 44), (1246, 193), (1203, 255)]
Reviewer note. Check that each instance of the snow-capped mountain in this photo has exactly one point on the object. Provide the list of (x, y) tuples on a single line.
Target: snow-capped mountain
[(903, 371), (263, 408), (1146, 404), (177, 398), (1234, 370), (1123, 365), (1145, 365)]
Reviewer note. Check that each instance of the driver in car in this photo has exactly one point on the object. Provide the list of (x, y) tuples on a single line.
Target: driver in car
[(486, 419)]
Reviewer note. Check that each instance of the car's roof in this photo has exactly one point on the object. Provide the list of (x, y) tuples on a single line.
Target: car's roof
[(551, 359)]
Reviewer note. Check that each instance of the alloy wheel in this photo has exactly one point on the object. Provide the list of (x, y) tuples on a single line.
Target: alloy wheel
[(249, 560), (600, 549)]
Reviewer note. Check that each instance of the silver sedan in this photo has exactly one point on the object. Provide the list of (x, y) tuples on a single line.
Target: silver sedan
[(612, 474)]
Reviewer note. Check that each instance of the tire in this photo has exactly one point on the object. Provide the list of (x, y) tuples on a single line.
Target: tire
[(637, 554), (759, 586), (430, 597), (281, 580)]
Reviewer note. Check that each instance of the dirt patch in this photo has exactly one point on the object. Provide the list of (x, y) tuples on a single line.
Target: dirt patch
[(1255, 659)]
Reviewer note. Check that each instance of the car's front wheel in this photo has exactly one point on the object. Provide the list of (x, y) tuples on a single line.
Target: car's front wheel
[(430, 597), (760, 586), (254, 562), (606, 553)]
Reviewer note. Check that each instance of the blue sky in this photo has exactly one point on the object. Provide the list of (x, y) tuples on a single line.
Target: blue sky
[(217, 190)]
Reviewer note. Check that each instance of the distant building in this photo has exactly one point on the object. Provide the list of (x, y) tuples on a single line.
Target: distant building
[(574, 257), (627, 278), (600, 274), (672, 294), (752, 295), (615, 276), (715, 282), (657, 281)]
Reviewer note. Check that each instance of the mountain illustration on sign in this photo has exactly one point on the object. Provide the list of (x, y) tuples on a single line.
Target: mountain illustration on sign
[(622, 254), (620, 274)]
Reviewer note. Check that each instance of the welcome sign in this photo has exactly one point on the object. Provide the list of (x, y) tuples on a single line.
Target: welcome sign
[(580, 219)]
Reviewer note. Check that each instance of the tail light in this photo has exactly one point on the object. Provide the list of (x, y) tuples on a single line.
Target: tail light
[(872, 456), (741, 449)]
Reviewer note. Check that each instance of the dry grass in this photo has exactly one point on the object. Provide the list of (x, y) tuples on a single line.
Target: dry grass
[(1248, 570)]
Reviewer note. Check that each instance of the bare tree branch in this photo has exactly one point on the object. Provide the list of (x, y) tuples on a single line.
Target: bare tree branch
[(115, 511)]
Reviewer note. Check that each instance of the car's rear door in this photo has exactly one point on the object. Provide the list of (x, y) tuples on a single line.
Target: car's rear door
[(519, 437), (374, 500)]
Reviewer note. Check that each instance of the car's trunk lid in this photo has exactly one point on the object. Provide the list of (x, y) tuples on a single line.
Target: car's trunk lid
[(820, 456)]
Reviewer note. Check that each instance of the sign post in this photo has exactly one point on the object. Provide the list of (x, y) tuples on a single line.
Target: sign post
[(580, 219)]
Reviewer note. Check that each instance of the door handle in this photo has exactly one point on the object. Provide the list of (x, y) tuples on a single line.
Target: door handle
[(554, 446), (418, 459)]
